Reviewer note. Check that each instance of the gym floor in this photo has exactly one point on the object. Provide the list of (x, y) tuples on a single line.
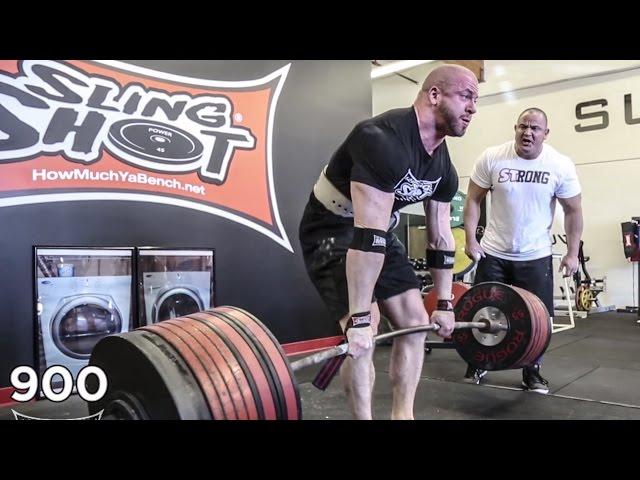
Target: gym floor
[(593, 372)]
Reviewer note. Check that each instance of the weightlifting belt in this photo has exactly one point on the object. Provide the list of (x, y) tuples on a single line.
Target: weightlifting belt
[(332, 198), (337, 203)]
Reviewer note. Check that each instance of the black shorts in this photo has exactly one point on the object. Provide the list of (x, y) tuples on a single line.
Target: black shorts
[(535, 276), (325, 239)]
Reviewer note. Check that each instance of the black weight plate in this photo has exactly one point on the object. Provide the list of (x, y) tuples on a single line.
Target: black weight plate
[(143, 365)]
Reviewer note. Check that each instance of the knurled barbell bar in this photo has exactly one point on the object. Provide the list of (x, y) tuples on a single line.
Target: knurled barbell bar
[(225, 364), (484, 325)]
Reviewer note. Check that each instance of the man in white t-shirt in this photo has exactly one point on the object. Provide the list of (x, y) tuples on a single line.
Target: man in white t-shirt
[(525, 178)]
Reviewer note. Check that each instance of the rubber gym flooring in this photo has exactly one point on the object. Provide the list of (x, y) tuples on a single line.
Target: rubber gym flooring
[(593, 372)]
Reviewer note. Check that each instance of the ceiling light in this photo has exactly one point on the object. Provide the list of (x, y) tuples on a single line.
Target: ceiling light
[(390, 68)]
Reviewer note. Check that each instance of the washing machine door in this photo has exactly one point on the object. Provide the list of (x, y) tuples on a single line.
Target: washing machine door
[(82, 322), (176, 302)]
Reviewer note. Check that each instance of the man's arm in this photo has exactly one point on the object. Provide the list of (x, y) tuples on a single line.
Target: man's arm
[(371, 209), (475, 194), (573, 225), (440, 237)]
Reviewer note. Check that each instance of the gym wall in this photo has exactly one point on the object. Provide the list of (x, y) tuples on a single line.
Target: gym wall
[(606, 151), (299, 113)]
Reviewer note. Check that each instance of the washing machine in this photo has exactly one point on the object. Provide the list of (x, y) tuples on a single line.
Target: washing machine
[(175, 294), (77, 312)]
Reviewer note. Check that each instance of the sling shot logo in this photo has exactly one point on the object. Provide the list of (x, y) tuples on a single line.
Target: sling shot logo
[(410, 189), (78, 115), (59, 118)]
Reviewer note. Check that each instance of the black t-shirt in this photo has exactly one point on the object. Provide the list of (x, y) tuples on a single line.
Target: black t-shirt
[(386, 152)]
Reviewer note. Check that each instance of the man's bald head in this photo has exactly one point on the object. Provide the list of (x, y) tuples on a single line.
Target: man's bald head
[(446, 75), (447, 100)]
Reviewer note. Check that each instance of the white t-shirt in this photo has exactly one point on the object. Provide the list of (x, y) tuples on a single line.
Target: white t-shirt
[(523, 199)]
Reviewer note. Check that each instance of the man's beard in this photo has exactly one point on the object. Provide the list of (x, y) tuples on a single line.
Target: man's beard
[(454, 124)]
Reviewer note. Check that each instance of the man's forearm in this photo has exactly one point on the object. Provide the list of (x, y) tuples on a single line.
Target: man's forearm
[(442, 279), (363, 269), (471, 218), (573, 225)]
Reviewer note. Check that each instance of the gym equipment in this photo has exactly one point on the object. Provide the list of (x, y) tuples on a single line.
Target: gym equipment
[(463, 264), (631, 245), (457, 209), (584, 291), (225, 364)]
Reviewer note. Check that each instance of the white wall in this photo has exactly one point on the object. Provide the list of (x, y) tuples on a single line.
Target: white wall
[(608, 160)]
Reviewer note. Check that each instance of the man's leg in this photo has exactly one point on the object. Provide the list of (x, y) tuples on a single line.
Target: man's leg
[(324, 250), (489, 269), (358, 375), (405, 310), (400, 301), (536, 276)]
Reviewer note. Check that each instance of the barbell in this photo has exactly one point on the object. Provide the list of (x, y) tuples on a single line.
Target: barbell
[(224, 363), (484, 325)]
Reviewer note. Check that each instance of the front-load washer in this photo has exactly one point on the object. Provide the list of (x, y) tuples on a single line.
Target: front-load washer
[(77, 312), (175, 294)]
